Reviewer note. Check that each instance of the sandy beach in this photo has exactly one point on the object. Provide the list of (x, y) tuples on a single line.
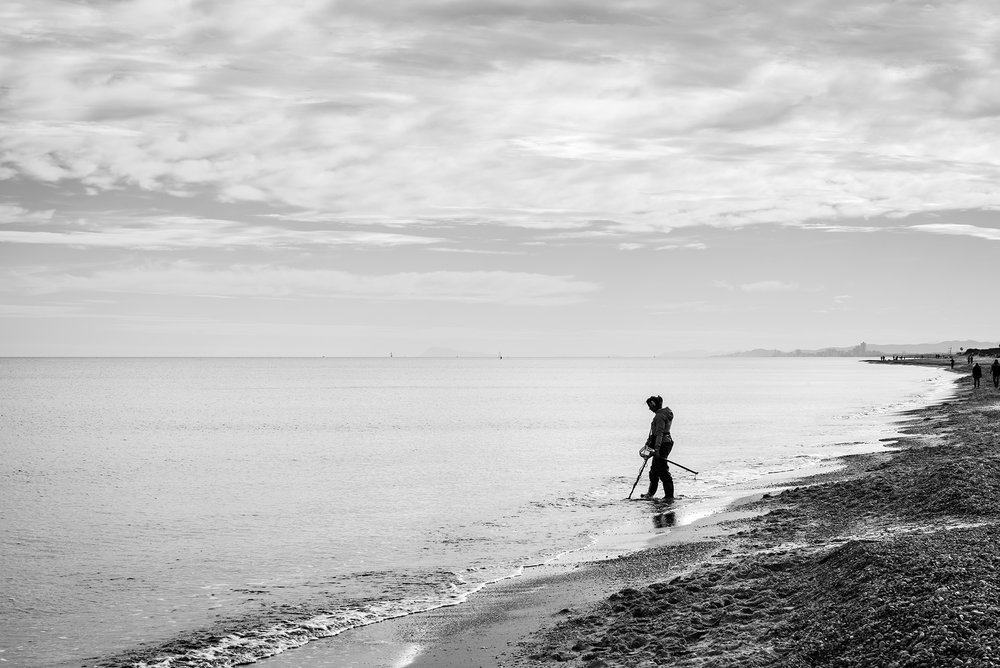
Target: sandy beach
[(890, 561)]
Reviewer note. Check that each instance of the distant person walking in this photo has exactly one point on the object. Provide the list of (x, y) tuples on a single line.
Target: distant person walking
[(995, 371), (977, 373), (660, 443), (952, 360)]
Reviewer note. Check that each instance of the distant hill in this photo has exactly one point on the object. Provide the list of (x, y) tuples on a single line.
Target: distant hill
[(924, 348), (874, 350), (825, 352), (860, 350)]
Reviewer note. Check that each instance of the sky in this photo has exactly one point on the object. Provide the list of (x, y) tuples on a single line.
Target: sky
[(531, 177)]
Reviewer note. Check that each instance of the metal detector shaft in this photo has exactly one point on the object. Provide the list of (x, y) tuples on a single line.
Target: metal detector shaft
[(680, 467), (638, 476)]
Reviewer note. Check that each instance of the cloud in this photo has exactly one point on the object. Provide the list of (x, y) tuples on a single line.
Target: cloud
[(762, 286), (692, 307), (724, 285), (988, 233), (34, 311), (691, 245), (473, 251), (845, 228), (114, 230), (694, 245), (770, 286), (645, 113), (591, 148), (183, 278), (840, 304), (10, 213)]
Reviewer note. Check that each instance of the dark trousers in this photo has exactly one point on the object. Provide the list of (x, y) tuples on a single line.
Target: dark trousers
[(996, 381), (660, 471), (975, 381)]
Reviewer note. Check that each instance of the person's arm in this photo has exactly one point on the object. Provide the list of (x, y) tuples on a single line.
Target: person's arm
[(658, 436)]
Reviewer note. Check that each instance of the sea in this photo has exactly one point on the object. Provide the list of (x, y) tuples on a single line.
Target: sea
[(214, 511)]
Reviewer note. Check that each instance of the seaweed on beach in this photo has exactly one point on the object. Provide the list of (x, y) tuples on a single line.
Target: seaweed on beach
[(915, 600), (919, 487)]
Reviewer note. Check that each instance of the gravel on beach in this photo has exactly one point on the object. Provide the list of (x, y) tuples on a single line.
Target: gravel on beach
[(891, 561)]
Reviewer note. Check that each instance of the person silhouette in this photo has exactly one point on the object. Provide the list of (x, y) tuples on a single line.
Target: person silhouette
[(660, 443), (995, 372), (977, 373)]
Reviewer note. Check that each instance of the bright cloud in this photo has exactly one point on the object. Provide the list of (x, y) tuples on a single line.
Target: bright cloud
[(989, 233), (770, 286), (656, 114)]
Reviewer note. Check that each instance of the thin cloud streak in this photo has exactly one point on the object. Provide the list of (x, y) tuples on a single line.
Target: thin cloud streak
[(988, 233), (763, 286), (771, 286), (185, 278), (186, 232)]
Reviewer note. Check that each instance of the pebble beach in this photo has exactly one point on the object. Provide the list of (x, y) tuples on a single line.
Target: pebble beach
[(890, 561)]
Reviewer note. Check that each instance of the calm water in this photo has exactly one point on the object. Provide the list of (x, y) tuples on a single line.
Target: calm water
[(145, 500)]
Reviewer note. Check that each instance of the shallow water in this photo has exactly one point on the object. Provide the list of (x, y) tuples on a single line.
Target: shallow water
[(148, 499)]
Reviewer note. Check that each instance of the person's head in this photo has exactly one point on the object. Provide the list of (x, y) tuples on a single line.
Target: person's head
[(654, 403)]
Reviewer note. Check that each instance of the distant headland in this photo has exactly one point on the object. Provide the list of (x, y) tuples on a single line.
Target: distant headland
[(960, 348)]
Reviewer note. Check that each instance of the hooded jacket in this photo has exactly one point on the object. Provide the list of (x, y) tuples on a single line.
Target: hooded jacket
[(659, 433)]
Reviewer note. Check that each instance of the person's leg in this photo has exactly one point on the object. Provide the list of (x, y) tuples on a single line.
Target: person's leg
[(668, 483), (654, 476)]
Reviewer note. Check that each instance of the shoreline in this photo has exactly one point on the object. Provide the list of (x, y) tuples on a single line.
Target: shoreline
[(484, 627), (555, 615), (889, 559)]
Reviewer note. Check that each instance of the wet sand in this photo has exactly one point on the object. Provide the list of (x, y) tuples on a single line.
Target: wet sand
[(488, 630), (889, 561)]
